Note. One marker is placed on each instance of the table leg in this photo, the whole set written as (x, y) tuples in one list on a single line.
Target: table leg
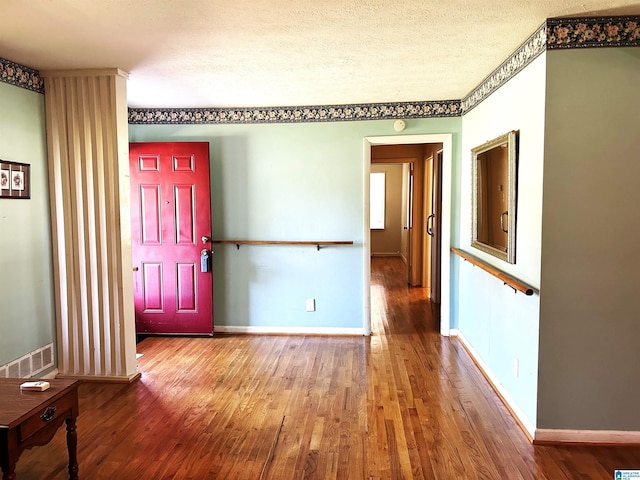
[(72, 446), (9, 472)]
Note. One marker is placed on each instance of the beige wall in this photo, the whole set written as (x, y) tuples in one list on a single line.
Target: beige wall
[(389, 240), (589, 376)]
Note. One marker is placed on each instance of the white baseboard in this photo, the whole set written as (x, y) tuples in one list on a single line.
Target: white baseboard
[(600, 437), (52, 374), (512, 406), (541, 436), (289, 330)]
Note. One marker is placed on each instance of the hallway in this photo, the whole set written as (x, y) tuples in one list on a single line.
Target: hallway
[(441, 418), (437, 415), (405, 403)]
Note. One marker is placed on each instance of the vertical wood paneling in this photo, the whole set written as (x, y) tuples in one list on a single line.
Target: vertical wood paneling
[(59, 193), (94, 180), (93, 302), (101, 288), (105, 132)]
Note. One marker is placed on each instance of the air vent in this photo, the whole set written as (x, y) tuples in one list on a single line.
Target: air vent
[(47, 356), (36, 361), (30, 364), (14, 370), (25, 366)]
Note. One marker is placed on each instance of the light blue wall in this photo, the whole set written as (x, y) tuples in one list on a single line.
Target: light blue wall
[(500, 325), (26, 283), (289, 182)]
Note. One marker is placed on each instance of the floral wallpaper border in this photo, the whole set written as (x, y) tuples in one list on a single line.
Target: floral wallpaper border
[(623, 31), (559, 33), (20, 76), (372, 111), (555, 33), (523, 56)]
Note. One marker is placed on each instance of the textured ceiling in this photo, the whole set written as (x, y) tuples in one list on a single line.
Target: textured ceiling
[(242, 53)]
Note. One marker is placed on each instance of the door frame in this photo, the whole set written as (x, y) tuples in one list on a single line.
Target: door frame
[(436, 210), (445, 273)]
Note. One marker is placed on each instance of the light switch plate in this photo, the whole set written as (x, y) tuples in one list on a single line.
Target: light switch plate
[(311, 305)]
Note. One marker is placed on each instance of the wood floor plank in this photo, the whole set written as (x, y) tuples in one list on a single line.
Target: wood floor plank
[(405, 403)]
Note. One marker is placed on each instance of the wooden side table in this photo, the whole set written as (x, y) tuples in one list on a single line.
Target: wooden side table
[(28, 419)]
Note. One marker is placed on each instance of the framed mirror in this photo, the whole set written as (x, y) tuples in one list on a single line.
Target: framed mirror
[(493, 209)]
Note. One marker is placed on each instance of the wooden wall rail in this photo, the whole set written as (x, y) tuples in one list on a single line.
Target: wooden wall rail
[(318, 244), (507, 279)]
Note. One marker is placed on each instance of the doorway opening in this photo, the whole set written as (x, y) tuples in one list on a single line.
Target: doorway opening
[(411, 198), (425, 161)]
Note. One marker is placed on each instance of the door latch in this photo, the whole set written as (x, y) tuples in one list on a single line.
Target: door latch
[(205, 261)]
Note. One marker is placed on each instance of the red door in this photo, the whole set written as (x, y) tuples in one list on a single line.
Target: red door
[(171, 226)]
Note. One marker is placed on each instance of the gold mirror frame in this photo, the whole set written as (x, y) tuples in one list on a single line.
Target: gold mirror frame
[(493, 208)]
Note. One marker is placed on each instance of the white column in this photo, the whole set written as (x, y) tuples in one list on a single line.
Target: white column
[(87, 138)]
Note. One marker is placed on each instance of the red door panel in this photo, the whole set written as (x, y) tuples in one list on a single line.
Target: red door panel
[(153, 294), (170, 213), (150, 220)]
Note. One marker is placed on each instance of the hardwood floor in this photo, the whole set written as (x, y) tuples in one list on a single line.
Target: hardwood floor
[(405, 403)]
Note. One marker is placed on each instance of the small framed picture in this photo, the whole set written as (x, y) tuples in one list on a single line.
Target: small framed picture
[(4, 179), (15, 180)]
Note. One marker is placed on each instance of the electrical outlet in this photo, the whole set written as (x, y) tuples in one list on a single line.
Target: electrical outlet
[(311, 304), (516, 367)]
